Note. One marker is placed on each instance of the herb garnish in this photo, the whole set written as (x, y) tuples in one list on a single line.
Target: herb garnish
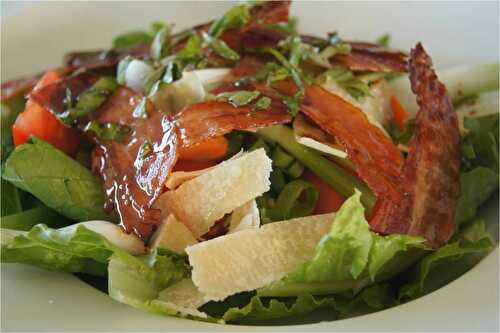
[(160, 46), (107, 131), (238, 98), (384, 40), (89, 101), (263, 103), (346, 79)]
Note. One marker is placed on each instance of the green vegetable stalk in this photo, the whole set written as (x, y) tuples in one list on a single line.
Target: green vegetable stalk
[(340, 180)]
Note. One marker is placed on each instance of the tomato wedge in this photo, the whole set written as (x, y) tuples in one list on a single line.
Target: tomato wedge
[(38, 121), (329, 200), (213, 149)]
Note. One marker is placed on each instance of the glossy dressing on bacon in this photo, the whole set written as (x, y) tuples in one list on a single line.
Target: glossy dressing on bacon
[(135, 170)]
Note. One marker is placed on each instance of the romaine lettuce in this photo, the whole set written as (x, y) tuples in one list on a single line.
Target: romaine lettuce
[(349, 257)]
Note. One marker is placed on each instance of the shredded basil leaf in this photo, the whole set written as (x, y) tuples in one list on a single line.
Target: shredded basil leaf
[(238, 98), (353, 85), (384, 40), (89, 101), (160, 46), (107, 131), (293, 102), (220, 47), (263, 103), (236, 17)]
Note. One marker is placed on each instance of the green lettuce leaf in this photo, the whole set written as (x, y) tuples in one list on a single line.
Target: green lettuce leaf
[(80, 250), (138, 281), (480, 145), (27, 219), (449, 262), (476, 186), (57, 180), (350, 257), (260, 310)]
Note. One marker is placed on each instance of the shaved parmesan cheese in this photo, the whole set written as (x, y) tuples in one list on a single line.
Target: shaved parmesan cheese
[(177, 178), (183, 293), (324, 148), (376, 107), (200, 202), (212, 77), (244, 217), (173, 235), (113, 233), (174, 97), (253, 258)]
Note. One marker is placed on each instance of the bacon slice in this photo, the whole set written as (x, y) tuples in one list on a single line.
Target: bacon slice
[(53, 96), (201, 121), (367, 57), (255, 33), (378, 161), (430, 179), (133, 177), (14, 88), (104, 58)]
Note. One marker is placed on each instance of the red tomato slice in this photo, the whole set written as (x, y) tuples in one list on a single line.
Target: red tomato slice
[(329, 200), (37, 121)]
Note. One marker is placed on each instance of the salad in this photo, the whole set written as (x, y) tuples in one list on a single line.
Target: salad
[(242, 172)]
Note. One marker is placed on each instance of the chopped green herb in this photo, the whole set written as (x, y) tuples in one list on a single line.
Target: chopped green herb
[(467, 99), (384, 40), (140, 110), (107, 131), (271, 73), (191, 52), (289, 27), (220, 47), (145, 150), (346, 79), (293, 102), (173, 72), (122, 69), (153, 78), (293, 70), (238, 98), (332, 50), (236, 17), (89, 101), (263, 103), (160, 46), (131, 38), (156, 26)]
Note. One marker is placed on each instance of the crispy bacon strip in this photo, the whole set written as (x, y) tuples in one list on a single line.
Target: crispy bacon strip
[(104, 58), (201, 121), (255, 33), (377, 160), (53, 96), (367, 57), (135, 170), (431, 176), (14, 88)]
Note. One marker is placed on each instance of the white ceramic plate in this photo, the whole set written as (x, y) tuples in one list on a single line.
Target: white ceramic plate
[(36, 38)]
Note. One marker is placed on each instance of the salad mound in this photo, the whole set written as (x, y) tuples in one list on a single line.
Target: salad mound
[(241, 172)]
